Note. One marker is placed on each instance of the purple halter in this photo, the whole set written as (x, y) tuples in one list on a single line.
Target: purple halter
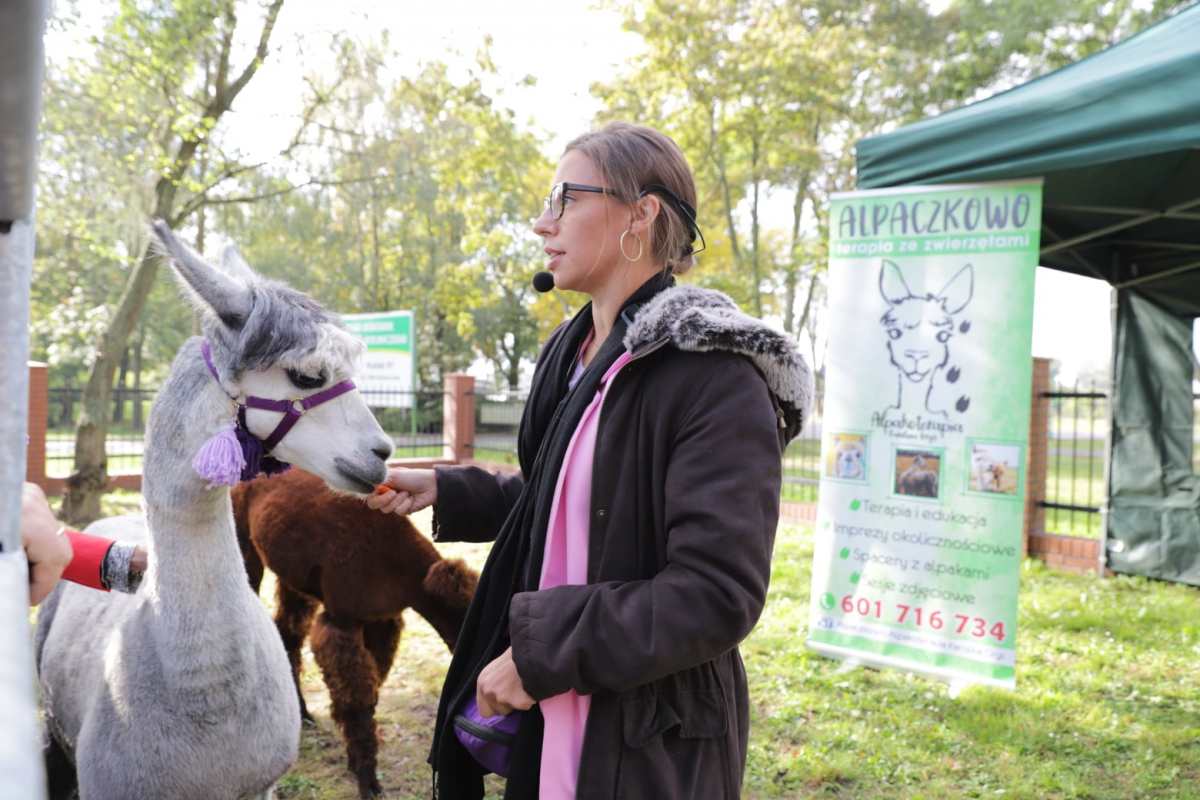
[(256, 453)]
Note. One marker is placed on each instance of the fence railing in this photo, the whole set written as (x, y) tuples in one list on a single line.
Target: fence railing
[(1076, 436), (497, 417), (802, 461), (126, 428), (412, 419), (1077, 432), (498, 414)]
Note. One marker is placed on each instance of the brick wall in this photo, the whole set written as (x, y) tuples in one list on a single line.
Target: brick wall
[(458, 417), (35, 451), (1066, 553), (1035, 456)]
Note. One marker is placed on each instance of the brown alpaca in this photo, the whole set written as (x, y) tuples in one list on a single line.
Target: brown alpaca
[(365, 568)]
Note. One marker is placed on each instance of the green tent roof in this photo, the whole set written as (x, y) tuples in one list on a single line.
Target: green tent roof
[(1116, 138)]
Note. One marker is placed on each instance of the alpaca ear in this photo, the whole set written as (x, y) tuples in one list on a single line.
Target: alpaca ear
[(210, 290), (891, 283), (233, 263), (958, 291)]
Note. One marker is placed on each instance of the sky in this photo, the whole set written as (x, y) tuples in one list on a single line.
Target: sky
[(567, 45)]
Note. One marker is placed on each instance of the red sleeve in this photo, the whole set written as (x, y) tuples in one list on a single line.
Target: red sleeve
[(90, 551)]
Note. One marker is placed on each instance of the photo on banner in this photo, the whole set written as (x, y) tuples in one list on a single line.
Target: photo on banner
[(925, 430)]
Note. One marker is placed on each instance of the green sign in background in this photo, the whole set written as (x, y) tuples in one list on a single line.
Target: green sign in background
[(391, 330), (925, 428)]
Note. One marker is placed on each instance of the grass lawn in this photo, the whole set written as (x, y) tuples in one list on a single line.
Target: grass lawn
[(1105, 708)]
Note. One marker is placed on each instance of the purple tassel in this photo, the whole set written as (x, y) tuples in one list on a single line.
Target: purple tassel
[(252, 454), (220, 461), (255, 460)]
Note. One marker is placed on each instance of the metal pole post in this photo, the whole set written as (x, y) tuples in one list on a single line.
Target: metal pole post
[(22, 23)]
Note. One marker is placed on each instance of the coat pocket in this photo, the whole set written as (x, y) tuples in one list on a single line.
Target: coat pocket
[(675, 734), (698, 713)]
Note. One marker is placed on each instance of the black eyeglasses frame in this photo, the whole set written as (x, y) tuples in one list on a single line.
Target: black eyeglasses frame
[(561, 189)]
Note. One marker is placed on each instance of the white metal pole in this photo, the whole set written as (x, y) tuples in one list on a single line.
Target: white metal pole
[(22, 23)]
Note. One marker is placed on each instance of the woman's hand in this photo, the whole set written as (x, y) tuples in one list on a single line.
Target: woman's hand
[(499, 689), (48, 553), (405, 491)]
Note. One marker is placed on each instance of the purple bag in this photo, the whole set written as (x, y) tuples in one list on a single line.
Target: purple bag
[(488, 739)]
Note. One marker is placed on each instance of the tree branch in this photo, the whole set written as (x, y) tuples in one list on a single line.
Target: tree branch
[(264, 41)]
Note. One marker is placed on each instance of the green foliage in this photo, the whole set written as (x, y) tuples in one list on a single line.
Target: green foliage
[(420, 198), (416, 191)]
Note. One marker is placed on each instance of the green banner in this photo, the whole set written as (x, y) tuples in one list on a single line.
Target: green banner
[(925, 428), (389, 367)]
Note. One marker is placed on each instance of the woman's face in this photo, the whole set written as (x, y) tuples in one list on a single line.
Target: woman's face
[(583, 245)]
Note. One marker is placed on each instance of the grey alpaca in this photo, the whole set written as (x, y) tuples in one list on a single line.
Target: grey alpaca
[(184, 690)]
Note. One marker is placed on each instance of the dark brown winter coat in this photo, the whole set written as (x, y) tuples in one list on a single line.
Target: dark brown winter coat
[(685, 503)]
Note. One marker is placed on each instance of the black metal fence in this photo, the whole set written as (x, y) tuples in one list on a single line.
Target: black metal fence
[(413, 419), (802, 461), (1077, 432), (1076, 436), (497, 416), (126, 428)]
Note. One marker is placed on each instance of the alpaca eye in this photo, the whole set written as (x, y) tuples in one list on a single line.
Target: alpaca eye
[(894, 333), (303, 381), (943, 336)]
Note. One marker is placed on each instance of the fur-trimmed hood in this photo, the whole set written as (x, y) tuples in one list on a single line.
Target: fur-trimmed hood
[(701, 320)]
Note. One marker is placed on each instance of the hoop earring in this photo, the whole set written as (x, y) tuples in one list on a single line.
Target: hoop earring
[(639, 241)]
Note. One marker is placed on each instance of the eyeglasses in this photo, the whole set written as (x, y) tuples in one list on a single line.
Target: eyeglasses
[(557, 201)]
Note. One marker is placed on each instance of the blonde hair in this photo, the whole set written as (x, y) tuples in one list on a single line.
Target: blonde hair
[(630, 157)]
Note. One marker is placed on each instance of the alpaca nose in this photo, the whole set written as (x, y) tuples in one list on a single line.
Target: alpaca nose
[(383, 451), (917, 355)]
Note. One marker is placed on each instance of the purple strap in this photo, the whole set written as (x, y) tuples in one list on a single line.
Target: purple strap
[(294, 409), (291, 409)]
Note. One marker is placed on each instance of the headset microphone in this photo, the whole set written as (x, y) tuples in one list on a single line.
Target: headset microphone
[(543, 281)]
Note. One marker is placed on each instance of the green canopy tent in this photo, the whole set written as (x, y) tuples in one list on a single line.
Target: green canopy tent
[(1116, 138)]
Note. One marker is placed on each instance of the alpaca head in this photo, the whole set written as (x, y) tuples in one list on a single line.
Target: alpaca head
[(920, 328), (271, 341)]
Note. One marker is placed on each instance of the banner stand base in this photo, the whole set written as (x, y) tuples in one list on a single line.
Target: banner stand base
[(956, 680)]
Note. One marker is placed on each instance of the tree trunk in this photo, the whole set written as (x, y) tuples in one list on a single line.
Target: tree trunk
[(757, 267), (82, 489), (137, 420), (122, 390), (793, 268)]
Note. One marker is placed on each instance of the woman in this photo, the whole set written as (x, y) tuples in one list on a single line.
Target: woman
[(633, 551)]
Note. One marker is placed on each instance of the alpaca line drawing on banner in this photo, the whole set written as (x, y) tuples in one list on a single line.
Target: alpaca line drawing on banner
[(919, 331)]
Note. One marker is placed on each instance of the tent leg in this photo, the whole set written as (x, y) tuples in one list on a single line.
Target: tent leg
[(1102, 565)]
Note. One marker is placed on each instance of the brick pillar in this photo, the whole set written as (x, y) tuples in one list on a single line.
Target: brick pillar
[(1035, 456), (39, 416), (458, 417)]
